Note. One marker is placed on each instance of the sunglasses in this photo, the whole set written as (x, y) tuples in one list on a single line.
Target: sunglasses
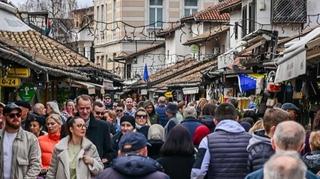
[(119, 110), (142, 116), (13, 115), (100, 113), (80, 126)]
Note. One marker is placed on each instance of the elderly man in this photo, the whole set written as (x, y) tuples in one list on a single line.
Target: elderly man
[(129, 108), (19, 150), (288, 136), (285, 165)]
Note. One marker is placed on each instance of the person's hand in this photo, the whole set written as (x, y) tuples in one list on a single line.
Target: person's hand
[(104, 160), (87, 160)]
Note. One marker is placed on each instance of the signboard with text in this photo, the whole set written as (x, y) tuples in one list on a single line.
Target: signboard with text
[(19, 72), (10, 82), (27, 92)]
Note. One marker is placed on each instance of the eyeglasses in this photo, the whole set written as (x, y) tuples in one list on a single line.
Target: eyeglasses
[(142, 116), (99, 113), (13, 115), (80, 126), (119, 110)]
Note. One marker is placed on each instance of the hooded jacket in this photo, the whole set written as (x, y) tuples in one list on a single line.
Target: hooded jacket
[(133, 166), (259, 149)]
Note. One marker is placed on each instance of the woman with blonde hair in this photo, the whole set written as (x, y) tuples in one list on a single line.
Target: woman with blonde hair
[(312, 159), (142, 121)]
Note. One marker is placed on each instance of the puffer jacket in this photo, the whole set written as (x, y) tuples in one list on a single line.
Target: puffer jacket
[(259, 149), (312, 160), (47, 144)]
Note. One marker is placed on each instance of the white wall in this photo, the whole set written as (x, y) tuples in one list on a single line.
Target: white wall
[(153, 60), (235, 16), (313, 7)]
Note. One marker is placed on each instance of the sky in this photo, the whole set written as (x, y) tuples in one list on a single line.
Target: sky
[(81, 3)]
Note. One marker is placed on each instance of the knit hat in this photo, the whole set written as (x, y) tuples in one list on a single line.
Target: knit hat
[(199, 134), (172, 108), (10, 107), (130, 119), (156, 132)]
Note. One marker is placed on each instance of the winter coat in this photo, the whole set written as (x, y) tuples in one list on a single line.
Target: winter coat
[(59, 167), (47, 144), (312, 160), (140, 167), (154, 149), (25, 156), (259, 149), (161, 111), (192, 125)]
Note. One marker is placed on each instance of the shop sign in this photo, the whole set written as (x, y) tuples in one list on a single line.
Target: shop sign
[(10, 82), (19, 72), (143, 92), (192, 90), (27, 91), (108, 84), (168, 94)]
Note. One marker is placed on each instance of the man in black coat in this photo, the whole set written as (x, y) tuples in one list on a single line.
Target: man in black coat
[(97, 130)]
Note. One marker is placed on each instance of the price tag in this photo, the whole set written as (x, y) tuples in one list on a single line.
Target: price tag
[(10, 82)]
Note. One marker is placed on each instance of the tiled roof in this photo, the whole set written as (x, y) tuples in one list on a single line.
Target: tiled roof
[(43, 49), (192, 76), (140, 52), (206, 36), (227, 5), (212, 14)]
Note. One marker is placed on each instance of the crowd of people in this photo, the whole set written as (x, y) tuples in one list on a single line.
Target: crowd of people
[(102, 138)]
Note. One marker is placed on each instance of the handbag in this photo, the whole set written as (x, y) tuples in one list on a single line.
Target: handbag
[(272, 87)]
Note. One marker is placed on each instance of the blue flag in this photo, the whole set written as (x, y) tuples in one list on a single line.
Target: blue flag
[(246, 83), (145, 73)]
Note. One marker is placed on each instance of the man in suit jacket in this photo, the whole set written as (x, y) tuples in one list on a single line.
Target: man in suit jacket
[(97, 130)]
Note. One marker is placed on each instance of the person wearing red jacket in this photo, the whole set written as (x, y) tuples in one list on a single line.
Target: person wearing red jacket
[(48, 142)]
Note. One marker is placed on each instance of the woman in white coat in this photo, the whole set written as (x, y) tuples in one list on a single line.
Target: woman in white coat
[(75, 156)]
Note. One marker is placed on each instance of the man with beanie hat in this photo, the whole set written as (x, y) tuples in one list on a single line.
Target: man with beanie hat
[(127, 124), (132, 161), (171, 111)]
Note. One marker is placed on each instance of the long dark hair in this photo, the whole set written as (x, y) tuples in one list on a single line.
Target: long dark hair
[(70, 122), (178, 142)]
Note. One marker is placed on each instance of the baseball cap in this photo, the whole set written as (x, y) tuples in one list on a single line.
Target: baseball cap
[(289, 106), (10, 107), (23, 104), (132, 141), (172, 108)]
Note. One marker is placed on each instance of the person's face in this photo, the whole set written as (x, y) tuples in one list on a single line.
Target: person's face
[(13, 119), (119, 112), (107, 117), (48, 109), (107, 100), (141, 118), (42, 110), (129, 103), (84, 107), (52, 125), (149, 109), (35, 128), (98, 112), (292, 114), (78, 128), (70, 106), (24, 112), (126, 127)]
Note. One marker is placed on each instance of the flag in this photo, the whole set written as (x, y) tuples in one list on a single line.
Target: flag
[(145, 73), (246, 83)]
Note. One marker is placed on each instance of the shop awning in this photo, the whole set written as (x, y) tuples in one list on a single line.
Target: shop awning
[(293, 62), (90, 86), (194, 90)]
